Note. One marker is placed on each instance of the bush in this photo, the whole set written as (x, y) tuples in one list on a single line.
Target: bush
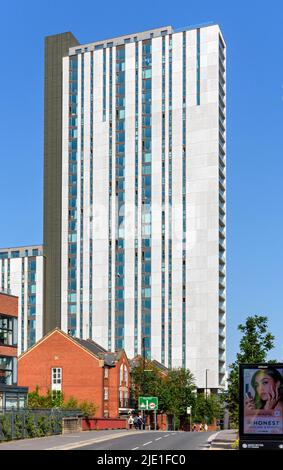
[(19, 426), (88, 409), (6, 427), (31, 426)]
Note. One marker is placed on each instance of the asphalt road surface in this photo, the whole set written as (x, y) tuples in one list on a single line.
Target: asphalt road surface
[(154, 440)]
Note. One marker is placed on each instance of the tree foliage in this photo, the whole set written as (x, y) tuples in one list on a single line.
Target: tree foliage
[(255, 343), (176, 391), (57, 400)]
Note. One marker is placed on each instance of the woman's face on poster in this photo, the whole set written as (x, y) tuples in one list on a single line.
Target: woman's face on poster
[(266, 387)]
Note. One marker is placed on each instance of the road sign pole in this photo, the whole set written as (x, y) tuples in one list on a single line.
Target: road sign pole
[(155, 420)]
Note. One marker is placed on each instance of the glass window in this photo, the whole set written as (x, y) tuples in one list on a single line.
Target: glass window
[(6, 370), (146, 73), (6, 331), (32, 265), (11, 401), (56, 378)]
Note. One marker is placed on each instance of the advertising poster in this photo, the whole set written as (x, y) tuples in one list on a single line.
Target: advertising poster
[(262, 397)]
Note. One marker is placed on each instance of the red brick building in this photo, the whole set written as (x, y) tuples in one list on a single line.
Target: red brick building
[(11, 396), (78, 368)]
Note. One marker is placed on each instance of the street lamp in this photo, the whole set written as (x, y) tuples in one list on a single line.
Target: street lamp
[(206, 370)]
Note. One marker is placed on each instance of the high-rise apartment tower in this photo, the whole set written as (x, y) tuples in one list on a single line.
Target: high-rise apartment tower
[(134, 228)]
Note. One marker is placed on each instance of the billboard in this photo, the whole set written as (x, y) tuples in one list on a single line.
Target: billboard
[(261, 401)]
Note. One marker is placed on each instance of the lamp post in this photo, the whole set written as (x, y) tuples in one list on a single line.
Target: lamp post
[(206, 370)]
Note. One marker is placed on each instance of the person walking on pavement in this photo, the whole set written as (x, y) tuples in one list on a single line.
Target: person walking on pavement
[(140, 422), (130, 422), (136, 422)]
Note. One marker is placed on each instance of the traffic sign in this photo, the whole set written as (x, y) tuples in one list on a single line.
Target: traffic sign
[(148, 403), (189, 410)]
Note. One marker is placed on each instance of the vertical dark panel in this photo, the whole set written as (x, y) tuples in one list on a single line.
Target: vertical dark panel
[(56, 47)]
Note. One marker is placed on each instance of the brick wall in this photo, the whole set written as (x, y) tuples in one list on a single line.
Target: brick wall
[(9, 305), (82, 374), (114, 381)]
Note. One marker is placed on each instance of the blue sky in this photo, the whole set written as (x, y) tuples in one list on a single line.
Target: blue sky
[(253, 33)]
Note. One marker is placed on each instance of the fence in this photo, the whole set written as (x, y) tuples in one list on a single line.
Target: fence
[(24, 423)]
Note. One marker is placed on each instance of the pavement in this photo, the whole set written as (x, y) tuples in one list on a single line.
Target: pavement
[(223, 440)]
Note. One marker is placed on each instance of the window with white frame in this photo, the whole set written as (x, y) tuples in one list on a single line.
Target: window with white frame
[(125, 375), (106, 372), (106, 395), (56, 379)]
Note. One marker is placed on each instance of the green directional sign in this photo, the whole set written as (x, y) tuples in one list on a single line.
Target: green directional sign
[(148, 403)]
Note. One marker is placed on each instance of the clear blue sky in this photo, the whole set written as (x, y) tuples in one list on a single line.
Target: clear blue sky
[(253, 33)]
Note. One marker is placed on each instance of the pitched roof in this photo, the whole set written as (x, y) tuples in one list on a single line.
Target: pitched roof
[(108, 357), (89, 345), (137, 360)]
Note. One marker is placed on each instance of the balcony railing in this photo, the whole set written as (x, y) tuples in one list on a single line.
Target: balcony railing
[(222, 294), (222, 195)]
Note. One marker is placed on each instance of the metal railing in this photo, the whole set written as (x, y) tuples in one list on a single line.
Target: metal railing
[(24, 423)]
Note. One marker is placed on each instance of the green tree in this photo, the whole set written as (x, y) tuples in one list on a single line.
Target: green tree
[(207, 409), (175, 389), (146, 380), (255, 343)]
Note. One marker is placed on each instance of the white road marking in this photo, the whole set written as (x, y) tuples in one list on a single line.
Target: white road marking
[(135, 448), (167, 435), (147, 443), (158, 439)]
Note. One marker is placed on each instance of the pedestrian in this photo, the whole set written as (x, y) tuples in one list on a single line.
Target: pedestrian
[(194, 428), (140, 422), (205, 427), (130, 422), (136, 422), (200, 427)]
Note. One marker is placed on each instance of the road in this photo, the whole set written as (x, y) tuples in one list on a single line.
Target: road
[(155, 440)]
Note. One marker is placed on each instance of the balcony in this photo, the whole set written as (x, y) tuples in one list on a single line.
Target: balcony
[(221, 67), (222, 357), (221, 184), (222, 208), (222, 273), (222, 323), (222, 294), (222, 135), (221, 54), (222, 149), (222, 220), (222, 334), (222, 195), (222, 306), (222, 87), (222, 115)]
